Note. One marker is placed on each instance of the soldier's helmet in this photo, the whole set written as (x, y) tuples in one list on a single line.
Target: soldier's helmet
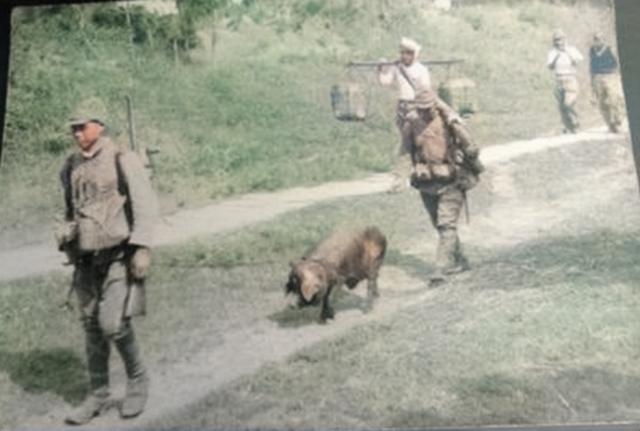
[(92, 109)]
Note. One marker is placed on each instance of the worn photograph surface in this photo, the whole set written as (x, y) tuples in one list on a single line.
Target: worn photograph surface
[(299, 214)]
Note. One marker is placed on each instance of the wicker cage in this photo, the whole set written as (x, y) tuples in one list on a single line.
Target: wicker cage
[(460, 94), (349, 102)]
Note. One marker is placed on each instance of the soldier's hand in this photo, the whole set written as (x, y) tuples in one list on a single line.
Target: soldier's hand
[(65, 233), (140, 263), (383, 68)]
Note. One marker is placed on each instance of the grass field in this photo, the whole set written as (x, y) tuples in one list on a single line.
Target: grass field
[(545, 331), (542, 331), (254, 114)]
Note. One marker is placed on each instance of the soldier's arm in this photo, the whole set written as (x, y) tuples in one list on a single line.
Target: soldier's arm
[(65, 181), (144, 206), (386, 74), (462, 134), (449, 114), (575, 55), (552, 58), (66, 228)]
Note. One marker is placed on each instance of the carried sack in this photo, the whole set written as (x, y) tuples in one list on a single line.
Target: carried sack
[(467, 179)]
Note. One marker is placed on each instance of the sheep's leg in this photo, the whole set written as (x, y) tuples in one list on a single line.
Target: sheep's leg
[(372, 288), (327, 311)]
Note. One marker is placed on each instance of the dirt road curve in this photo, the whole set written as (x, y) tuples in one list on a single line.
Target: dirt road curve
[(238, 212)]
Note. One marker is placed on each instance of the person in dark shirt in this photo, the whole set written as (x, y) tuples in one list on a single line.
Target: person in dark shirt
[(605, 82)]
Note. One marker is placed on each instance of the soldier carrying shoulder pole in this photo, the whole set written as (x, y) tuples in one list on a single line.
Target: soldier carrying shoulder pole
[(110, 211)]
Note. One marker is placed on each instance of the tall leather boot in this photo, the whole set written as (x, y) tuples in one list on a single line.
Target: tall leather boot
[(98, 350), (137, 378)]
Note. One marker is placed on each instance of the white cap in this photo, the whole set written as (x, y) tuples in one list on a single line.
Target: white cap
[(558, 34), (408, 44)]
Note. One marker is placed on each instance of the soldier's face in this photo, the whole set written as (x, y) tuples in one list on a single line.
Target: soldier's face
[(407, 57), (86, 134)]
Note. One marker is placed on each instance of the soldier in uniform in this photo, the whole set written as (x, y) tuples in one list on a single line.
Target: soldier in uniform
[(409, 76), (605, 82), (562, 60), (110, 212), (446, 164)]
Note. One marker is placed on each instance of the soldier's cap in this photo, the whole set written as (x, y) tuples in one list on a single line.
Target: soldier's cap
[(81, 121), (89, 110), (408, 44)]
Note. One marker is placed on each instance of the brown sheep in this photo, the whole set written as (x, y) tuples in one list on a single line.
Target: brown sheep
[(343, 258)]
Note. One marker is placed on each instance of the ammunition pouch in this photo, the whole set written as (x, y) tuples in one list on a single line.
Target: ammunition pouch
[(469, 170), (104, 257), (476, 166), (425, 173), (466, 179)]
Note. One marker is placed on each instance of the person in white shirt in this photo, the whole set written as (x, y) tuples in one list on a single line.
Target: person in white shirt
[(562, 61), (410, 78)]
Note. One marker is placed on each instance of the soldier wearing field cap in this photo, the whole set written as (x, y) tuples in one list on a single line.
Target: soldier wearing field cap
[(562, 60), (110, 210)]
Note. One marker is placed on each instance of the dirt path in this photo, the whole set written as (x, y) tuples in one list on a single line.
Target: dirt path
[(244, 351), (236, 213)]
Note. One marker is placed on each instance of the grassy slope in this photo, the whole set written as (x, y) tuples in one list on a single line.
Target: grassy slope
[(256, 115), (546, 331)]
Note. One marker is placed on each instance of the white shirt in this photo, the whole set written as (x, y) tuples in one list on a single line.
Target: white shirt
[(417, 72), (565, 65)]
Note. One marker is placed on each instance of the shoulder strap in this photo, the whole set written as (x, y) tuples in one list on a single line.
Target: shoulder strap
[(405, 75), (123, 188)]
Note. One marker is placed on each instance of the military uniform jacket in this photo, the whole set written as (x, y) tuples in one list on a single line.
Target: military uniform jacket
[(109, 196)]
